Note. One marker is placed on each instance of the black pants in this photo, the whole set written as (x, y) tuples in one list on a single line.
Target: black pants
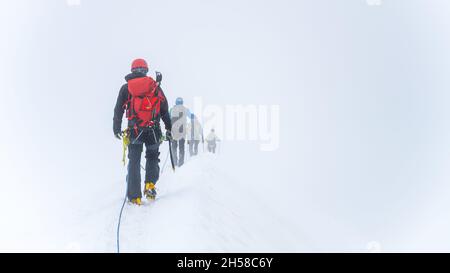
[(149, 138), (193, 147), (178, 159)]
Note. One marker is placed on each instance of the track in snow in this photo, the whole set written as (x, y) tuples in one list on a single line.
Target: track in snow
[(200, 208)]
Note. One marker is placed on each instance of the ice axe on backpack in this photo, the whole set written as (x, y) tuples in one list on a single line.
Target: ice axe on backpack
[(158, 81), (158, 78)]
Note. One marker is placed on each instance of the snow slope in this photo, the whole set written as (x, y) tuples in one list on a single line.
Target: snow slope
[(364, 134), (200, 208)]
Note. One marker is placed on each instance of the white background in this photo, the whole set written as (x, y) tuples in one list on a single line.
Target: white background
[(363, 91)]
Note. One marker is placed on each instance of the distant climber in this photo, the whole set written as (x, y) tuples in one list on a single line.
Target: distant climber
[(212, 140), (194, 135), (145, 104), (179, 116)]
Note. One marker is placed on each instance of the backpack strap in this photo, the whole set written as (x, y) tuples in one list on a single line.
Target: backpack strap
[(128, 107)]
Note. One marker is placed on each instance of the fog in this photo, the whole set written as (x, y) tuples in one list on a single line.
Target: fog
[(362, 92)]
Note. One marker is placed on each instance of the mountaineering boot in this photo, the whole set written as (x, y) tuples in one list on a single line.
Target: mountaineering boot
[(136, 201), (150, 192)]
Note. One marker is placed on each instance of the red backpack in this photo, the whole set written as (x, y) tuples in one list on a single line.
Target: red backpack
[(144, 101)]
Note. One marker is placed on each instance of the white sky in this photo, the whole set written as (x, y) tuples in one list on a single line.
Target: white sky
[(363, 92)]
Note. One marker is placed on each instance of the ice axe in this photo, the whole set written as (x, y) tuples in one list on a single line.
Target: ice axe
[(158, 81), (171, 155), (158, 78)]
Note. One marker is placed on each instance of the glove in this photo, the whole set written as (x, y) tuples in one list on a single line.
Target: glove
[(168, 135), (118, 135)]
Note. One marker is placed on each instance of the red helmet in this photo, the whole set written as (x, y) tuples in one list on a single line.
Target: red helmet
[(139, 63)]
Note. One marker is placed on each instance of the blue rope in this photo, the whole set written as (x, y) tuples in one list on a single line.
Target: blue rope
[(120, 219), (118, 225), (123, 205)]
